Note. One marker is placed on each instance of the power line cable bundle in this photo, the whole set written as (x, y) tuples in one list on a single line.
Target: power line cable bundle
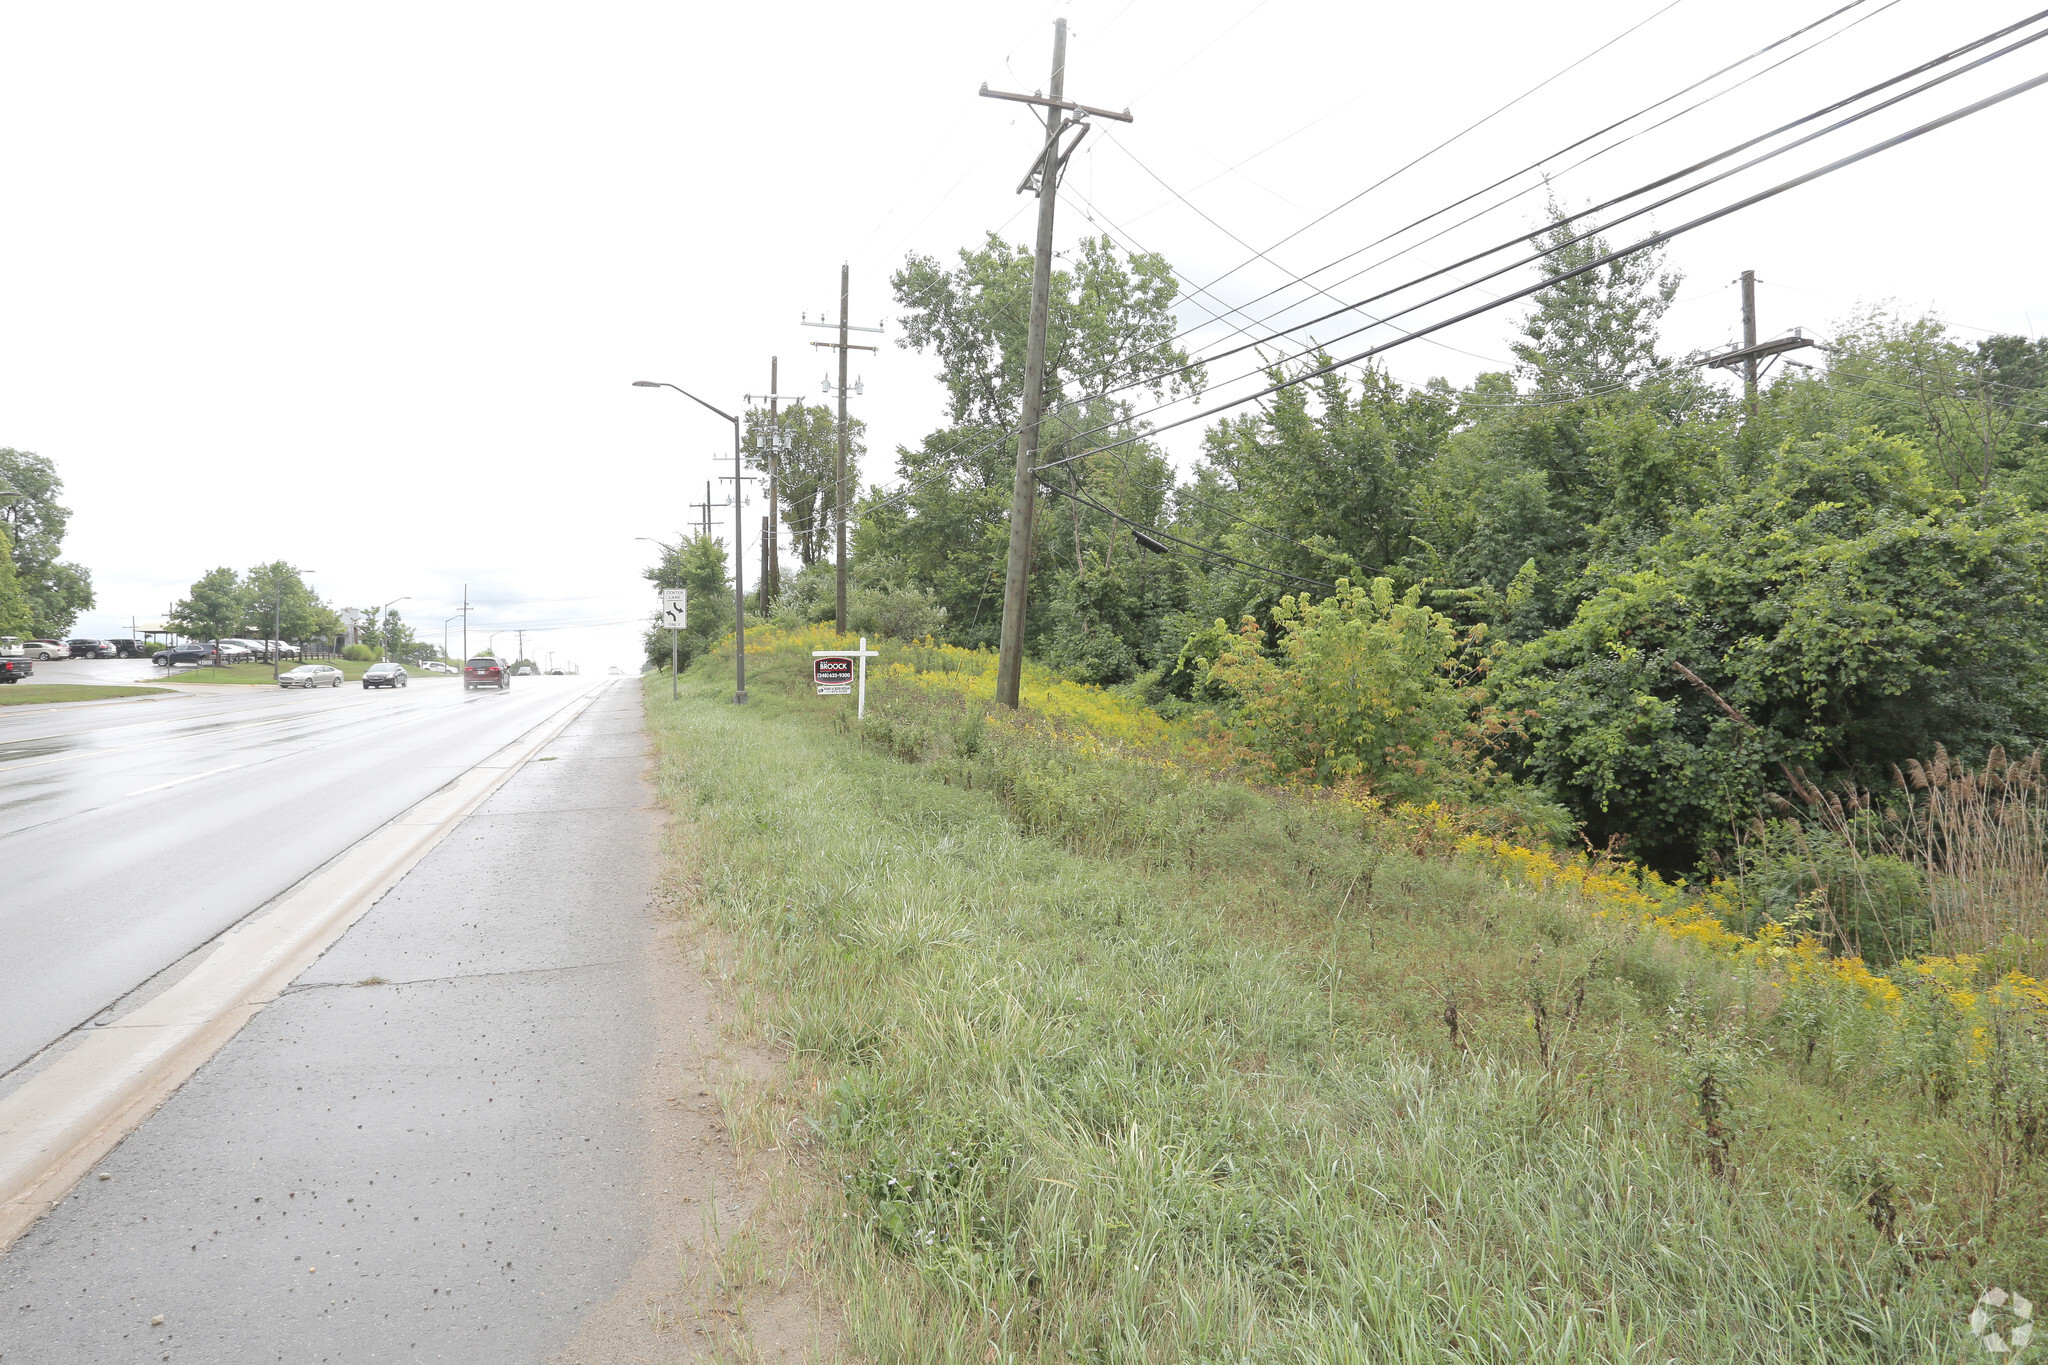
[(1607, 258)]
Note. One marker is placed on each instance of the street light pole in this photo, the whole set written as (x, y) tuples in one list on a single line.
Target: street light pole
[(739, 559), (384, 631), (444, 635)]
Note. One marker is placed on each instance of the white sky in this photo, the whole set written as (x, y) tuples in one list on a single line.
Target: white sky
[(364, 287)]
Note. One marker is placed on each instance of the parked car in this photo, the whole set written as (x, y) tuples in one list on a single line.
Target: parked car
[(45, 650), (432, 666), (485, 672), (381, 675), (13, 669), (130, 649), (196, 653), (93, 649), (310, 675), (284, 649), (232, 652)]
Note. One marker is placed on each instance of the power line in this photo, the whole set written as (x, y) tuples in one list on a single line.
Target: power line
[(1821, 112), (1607, 258), (1419, 333)]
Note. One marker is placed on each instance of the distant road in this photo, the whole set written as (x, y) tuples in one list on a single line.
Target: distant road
[(132, 833)]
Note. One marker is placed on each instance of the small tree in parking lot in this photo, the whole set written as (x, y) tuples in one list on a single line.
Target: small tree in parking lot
[(280, 605), (213, 607)]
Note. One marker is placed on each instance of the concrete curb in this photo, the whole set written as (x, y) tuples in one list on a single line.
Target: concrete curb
[(55, 1127)]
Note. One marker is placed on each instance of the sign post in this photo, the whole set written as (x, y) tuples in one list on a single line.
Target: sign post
[(675, 614), (833, 671)]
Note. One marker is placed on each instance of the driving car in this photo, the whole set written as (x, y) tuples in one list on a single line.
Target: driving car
[(433, 667), (310, 675), (93, 649), (485, 672), (382, 675)]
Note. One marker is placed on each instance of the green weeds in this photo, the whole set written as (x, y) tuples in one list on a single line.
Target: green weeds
[(1099, 1060)]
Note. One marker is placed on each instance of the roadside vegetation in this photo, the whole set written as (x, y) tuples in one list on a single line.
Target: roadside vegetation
[(1553, 868), (1110, 1047), (33, 694)]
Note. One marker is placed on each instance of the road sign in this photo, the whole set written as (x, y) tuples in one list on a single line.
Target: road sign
[(675, 608), (833, 673)]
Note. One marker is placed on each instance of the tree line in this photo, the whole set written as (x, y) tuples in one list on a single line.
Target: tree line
[(1589, 578)]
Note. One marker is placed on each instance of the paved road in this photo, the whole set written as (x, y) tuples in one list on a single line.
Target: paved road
[(133, 832), (433, 1146)]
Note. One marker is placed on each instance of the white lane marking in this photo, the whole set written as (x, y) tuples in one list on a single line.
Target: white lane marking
[(180, 781), (285, 719)]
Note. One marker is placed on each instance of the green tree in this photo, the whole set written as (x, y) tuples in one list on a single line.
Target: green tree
[(56, 590), (1855, 615), (280, 605), (1366, 683), (1110, 328), (1976, 410), (1322, 479), (1595, 331), (17, 616), (697, 563), (214, 606), (1110, 324), (808, 457)]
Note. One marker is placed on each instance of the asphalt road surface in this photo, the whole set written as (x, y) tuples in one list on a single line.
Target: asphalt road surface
[(134, 832), (432, 1146)]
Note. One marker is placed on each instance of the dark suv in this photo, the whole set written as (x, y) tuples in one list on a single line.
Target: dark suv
[(94, 649), (486, 672), (184, 654), (129, 649)]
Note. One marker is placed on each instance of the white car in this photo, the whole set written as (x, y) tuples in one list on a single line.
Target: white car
[(45, 650), (310, 675)]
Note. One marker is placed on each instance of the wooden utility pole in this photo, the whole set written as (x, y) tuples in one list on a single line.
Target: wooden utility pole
[(706, 505), (1749, 342), (770, 570), (839, 495), (1060, 117), (1751, 351)]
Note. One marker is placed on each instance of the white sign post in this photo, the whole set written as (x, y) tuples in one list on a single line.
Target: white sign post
[(675, 615), (830, 667)]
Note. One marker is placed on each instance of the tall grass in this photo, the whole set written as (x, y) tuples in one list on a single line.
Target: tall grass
[(1111, 1063), (1972, 843)]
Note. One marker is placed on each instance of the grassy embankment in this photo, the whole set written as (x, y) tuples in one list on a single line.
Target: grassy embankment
[(1114, 1058), (31, 694), (259, 674)]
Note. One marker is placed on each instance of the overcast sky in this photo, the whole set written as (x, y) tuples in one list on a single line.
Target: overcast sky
[(364, 287)]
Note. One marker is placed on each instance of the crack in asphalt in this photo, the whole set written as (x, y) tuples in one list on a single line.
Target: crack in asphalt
[(299, 986)]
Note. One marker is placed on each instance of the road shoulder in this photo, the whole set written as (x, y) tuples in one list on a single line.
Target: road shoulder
[(487, 1124)]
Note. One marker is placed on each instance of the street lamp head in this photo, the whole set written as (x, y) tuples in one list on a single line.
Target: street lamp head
[(650, 383)]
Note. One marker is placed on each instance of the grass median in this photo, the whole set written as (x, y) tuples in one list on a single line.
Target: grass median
[(1227, 1086), (31, 694), (259, 675)]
